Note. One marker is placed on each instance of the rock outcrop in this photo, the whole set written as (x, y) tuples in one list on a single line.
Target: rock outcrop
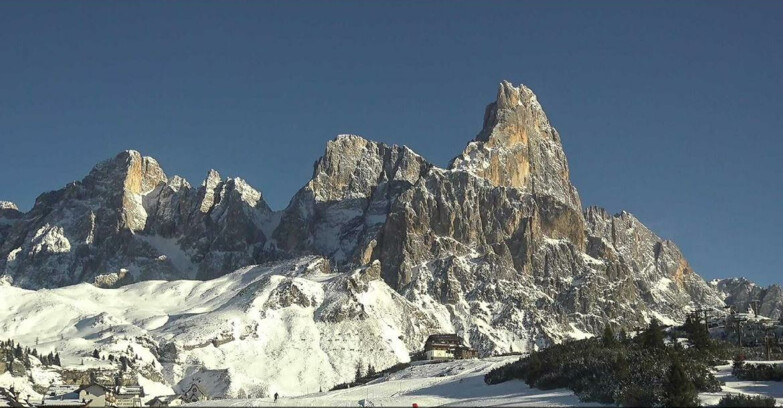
[(340, 213), (518, 148), (126, 218), (743, 295)]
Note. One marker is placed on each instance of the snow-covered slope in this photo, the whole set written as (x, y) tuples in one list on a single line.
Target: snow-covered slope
[(458, 383), (291, 326), (732, 385)]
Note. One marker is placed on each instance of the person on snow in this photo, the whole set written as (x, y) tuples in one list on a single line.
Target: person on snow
[(276, 397)]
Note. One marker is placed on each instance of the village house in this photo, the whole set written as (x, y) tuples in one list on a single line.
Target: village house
[(447, 347), (61, 396), (93, 395), (165, 401), (128, 396), (194, 393)]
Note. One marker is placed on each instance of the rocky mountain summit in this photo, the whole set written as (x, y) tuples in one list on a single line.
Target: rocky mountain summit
[(496, 247), (741, 294)]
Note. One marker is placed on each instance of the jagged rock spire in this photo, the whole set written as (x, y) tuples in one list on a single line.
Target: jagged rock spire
[(209, 185), (341, 210), (126, 177), (517, 147)]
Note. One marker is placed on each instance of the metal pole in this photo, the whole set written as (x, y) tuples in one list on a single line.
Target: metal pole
[(706, 323), (766, 343)]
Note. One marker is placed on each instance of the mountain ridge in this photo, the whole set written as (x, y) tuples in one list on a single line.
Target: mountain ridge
[(495, 247)]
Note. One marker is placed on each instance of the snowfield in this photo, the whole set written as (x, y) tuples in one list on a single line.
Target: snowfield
[(733, 385), (456, 383), (294, 326)]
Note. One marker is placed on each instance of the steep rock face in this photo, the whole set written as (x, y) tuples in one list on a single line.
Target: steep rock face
[(743, 295), (517, 147), (490, 257), (218, 227), (341, 211), (86, 228), (504, 226), (662, 274), (127, 221), (9, 214)]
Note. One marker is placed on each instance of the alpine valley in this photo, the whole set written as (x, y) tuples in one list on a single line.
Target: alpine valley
[(377, 251)]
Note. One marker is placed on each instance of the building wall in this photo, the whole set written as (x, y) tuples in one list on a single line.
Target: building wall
[(127, 402), (437, 353)]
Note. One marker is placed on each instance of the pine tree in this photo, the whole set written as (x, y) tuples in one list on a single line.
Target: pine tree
[(679, 390), (608, 340), (623, 336), (653, 336), (534, 368), (700, 337), (738, 364), (358, 372), (57, 360), (96, 355), (688, 326)]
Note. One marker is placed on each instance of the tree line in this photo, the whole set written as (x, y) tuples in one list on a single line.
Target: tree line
[(13, 351), (653, 368)]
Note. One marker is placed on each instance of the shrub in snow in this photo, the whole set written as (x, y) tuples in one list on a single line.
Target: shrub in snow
[(742, 400), (758, 372), (638, 372)]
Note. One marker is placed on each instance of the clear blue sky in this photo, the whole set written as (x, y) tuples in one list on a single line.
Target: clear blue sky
[(670, 110)]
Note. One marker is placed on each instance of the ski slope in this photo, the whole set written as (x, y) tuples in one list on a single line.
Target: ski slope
[(456, 383), (292, 326)]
